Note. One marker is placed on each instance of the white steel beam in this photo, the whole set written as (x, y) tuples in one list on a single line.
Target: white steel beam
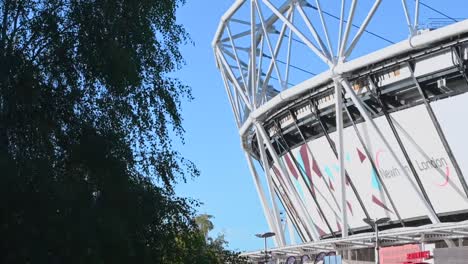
[(238, 103), (258, 74), (347, 30), (266, 168), (288, 56), (270, 47), (253, 53), (407, 16), (340, 30), (236, 36), (416, 16), (284, 198), (314, 32), (340, 150), (325, 30), (277, 49), (235, 110), (261, 195), (363, 27), (236, 56), (231, 55), (233, 78), (249, 79), (292, 237), (227, 15), (239, 21), (289, 185), (298, 33)]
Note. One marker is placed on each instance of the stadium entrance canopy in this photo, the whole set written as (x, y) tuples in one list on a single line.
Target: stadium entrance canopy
[(393, 237)]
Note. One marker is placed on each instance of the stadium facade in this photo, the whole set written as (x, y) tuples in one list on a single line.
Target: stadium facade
[(374, 135)]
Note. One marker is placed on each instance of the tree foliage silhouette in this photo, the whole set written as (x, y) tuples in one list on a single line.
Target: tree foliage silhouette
[(87, 165)]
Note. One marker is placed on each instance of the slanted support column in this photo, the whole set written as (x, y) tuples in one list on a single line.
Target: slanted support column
[(303, 176), (357, 102), (374, 167), (440, 133), (262, 198), (289, 185), (292, 214), (340, 156), (316, 112), (312, 155), (292, 238), (276, 217), (376, 93), (253, 54)]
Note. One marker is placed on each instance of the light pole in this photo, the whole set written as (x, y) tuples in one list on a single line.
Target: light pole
[(265, 236), (374, 223)]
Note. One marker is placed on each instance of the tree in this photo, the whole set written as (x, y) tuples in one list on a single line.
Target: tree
[(215, 249), (86, 112), (204, 224)]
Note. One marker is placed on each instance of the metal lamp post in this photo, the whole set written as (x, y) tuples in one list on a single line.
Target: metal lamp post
[(265, 236), (374, 223)]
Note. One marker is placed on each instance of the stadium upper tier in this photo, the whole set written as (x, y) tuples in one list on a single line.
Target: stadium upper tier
[(350, 134)]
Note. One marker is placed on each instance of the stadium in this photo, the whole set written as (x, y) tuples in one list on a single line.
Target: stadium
[(355, 143)]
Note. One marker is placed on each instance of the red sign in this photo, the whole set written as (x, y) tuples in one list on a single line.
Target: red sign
[(397, 254), (419, 255)]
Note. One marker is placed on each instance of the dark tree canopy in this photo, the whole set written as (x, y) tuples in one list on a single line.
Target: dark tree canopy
[(87, 166), (97, 64)]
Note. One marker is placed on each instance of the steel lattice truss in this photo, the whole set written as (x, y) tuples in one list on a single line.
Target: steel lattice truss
[(258, 48)]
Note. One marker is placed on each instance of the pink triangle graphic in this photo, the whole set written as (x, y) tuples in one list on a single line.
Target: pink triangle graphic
[(291, 166), (380, 203), (361, 155), (277, 172), (305, 159), (320, 231), (331, 185), (316, 168)]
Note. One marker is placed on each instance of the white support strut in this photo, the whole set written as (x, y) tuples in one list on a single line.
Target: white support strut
[(267, 39), (277, 48), (325, 30), (233, 79), (312, 29), (253, 53), (342, 46), (271, 190), (289, 185), (362, 28), (322, 56), (262, 198), (340, 150)]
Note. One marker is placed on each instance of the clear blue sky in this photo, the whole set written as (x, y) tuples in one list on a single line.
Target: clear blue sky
[(212, 141)]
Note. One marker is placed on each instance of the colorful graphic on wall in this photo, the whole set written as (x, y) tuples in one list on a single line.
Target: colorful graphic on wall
[(315, 172)]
